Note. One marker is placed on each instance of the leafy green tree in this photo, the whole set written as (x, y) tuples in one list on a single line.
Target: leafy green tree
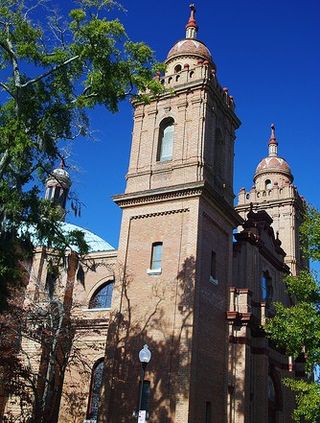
[(52, 70), (296, 329)]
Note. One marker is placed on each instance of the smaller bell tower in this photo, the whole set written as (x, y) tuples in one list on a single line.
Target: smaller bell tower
[(57, 187), (274, 192)]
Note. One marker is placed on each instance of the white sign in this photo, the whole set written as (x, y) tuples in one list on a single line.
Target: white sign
[(142, 416)]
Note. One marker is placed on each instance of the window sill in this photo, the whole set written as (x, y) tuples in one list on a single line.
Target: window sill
[(96, 309), (154, 272), (213, 280)]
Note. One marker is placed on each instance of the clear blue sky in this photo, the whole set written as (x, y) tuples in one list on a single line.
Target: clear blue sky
[(267, 55)]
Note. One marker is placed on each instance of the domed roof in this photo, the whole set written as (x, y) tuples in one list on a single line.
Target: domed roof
[(190, 47), (273, 164), (95, 243), (60, 176)]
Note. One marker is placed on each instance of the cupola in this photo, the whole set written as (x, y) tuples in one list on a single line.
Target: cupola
[(58, 185), (190, 47), (272, 170)]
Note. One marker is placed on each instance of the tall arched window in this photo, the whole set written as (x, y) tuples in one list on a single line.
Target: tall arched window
[(102, 298), (266, 288), (95, 387), (165, 145)]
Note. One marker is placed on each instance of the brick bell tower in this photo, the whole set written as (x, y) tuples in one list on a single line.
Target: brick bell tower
[(175, 250), (274, 192)]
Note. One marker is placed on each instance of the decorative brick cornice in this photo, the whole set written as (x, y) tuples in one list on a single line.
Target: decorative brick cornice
[(189, 190), (157, 195), (164, 213)]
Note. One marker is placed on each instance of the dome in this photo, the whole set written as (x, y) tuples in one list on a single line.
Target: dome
[(190, 47), (95, 243), (273, 164), (60, 175)]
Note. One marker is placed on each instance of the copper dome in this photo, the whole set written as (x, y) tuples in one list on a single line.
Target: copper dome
[(190, 47)]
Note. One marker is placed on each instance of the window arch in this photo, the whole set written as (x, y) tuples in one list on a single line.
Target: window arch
[(95, 387), (165, 145), (266, 288), (51, 279), (268, 184), (102, 297)]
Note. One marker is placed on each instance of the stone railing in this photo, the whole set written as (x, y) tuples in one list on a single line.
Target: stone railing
[(199, 73), (275, 193)]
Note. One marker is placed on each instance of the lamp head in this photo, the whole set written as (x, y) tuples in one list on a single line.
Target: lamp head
[(145, 354)]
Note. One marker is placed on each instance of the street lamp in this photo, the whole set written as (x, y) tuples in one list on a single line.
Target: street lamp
[(144, 357)]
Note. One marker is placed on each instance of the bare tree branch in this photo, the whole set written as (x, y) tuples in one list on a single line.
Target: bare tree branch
[(34, 6)]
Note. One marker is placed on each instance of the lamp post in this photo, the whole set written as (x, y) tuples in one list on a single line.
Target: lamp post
[(144, 357)]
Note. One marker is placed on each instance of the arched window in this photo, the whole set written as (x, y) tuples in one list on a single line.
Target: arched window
[(268, 184), (95, 387), (102, 298), (266, 288), (177, 68), (51, 279), (165, 148)]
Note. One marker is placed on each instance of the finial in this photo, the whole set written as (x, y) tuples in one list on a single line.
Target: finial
[(273, 143), (273, 139), (62, 163), (192, 27)]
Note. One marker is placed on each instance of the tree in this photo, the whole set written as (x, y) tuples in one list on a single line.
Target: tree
[(44, 339), (296, 329), (51, 73)]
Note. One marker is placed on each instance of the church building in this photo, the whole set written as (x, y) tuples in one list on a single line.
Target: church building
[(194, 277)]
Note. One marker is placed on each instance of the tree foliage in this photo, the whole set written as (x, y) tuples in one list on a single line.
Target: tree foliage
[(52, 70), (296, 329)]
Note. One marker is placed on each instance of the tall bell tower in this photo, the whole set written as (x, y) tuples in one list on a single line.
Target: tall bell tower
[(175, 249), (186, 135)]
